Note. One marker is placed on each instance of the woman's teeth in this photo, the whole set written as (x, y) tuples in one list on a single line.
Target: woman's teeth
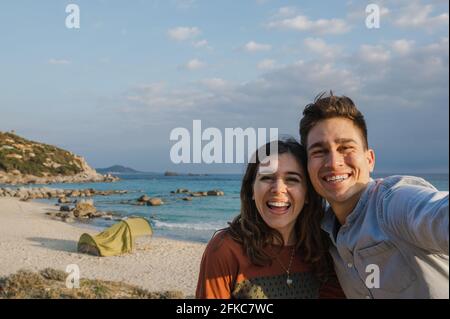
[(279, 204)]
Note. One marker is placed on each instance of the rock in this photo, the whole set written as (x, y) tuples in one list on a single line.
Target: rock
[(63, 200), (144, 198), (215, 192), (187, 198), (84, 209), (181, 191), (65, 208), (199, 194), (155, 202)]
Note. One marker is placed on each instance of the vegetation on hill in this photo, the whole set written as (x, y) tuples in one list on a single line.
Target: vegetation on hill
[(28, 157)]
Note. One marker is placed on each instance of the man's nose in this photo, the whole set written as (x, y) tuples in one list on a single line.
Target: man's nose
[(334, 160)]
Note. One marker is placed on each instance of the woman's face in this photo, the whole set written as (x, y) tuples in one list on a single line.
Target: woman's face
[(280, 196)]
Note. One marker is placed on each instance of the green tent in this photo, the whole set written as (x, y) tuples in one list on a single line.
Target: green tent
[(115, 240)]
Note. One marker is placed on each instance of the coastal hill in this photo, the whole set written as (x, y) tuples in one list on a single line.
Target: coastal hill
[(117, 169), (23, 161)]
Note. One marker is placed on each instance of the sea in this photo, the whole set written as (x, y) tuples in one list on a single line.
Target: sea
[(195, 220)]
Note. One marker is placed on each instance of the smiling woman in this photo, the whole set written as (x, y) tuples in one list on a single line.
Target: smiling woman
[(274, 248)]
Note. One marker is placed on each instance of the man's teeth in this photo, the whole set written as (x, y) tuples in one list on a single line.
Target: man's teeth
[(337, 178), (279, 204)]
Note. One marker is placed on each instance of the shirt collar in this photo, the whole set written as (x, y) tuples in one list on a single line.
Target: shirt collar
[(329, 220)]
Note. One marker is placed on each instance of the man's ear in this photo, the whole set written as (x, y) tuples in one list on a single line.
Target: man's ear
[(370, 155)]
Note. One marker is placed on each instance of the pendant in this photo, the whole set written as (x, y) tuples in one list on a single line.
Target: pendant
[(289, 281)]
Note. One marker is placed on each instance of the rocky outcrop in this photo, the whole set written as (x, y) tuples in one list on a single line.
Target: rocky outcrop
[(27, 193), (26, 162)]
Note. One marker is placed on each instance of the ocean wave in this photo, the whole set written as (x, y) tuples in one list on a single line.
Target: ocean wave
[(195, 226)]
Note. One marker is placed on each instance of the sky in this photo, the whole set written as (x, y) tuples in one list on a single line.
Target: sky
[(113, 89)]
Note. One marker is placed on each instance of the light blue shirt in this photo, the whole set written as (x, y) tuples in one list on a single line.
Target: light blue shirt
[(395, 243)]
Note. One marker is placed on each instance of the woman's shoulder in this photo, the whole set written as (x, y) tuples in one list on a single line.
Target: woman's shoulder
[(223, 243)]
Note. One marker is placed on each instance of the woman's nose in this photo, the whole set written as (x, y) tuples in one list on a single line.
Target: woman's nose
[(278, 186)]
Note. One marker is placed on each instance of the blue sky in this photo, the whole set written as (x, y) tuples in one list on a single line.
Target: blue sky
[(113, 90)]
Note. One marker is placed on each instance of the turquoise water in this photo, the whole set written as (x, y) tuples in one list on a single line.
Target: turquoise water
[(194, 220)]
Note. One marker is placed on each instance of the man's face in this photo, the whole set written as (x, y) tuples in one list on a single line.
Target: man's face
[(338, 162)]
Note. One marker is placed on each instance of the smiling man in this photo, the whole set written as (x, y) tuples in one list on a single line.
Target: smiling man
[(389, 237)]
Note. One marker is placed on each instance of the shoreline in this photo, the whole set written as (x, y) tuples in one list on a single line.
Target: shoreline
[(29, 239)]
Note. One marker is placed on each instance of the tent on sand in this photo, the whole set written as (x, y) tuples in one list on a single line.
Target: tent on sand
[(115, 240)]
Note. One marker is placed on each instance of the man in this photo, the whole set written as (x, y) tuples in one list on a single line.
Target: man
[(389, 237)]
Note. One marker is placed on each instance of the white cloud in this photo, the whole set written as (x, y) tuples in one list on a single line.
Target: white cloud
[(215, 83), (183, 33), (285, 12), (402, 46), (318, 46), (202, 44), (255, 47), (58, 61), (417, 15), (194, 64), (267, 64), (303, 23), (374, 54)]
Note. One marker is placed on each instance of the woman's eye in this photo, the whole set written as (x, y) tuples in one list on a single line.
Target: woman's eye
[(293, 180)]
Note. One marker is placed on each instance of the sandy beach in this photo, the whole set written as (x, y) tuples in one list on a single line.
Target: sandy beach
[(29, 239)]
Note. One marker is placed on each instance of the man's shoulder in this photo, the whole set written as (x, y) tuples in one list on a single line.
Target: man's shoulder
[(396, 182)]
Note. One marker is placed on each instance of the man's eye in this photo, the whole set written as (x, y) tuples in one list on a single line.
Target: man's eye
[(317, 153)]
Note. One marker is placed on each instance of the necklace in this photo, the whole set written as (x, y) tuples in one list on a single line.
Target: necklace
[(288, 280)]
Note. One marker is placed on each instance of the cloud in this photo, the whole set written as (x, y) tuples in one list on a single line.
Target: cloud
[(318, 46), (194, 64), (374, 54), (202, 44), (417, 15), (215, 84), (402, 46), (285, 12), (58, 61), (303, 23), (255, 47), (266, 64), (183, 33)]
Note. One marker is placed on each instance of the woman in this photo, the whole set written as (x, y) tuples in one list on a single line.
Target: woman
[(275, 247)]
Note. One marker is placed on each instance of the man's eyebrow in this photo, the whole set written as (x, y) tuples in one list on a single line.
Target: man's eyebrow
[(337, 141), (345, 140), (317, 144)]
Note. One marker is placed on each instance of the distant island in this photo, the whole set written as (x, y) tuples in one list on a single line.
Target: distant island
[(117, 169), (169, 173)]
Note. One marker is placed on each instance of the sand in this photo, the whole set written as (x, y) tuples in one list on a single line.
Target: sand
[(29, 239)]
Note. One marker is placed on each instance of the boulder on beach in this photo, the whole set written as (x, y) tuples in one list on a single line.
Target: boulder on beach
[(84, 209)]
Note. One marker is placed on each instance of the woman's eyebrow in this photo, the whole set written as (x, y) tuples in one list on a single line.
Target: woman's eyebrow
[(295, 173)]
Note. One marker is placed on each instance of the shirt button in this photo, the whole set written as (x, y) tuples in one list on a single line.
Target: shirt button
[(349, 265)]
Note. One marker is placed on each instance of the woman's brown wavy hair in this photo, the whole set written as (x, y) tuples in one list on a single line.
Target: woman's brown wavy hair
[(250, 230)]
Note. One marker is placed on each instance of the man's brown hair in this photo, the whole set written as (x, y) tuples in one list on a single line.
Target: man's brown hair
[(327, 106)]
